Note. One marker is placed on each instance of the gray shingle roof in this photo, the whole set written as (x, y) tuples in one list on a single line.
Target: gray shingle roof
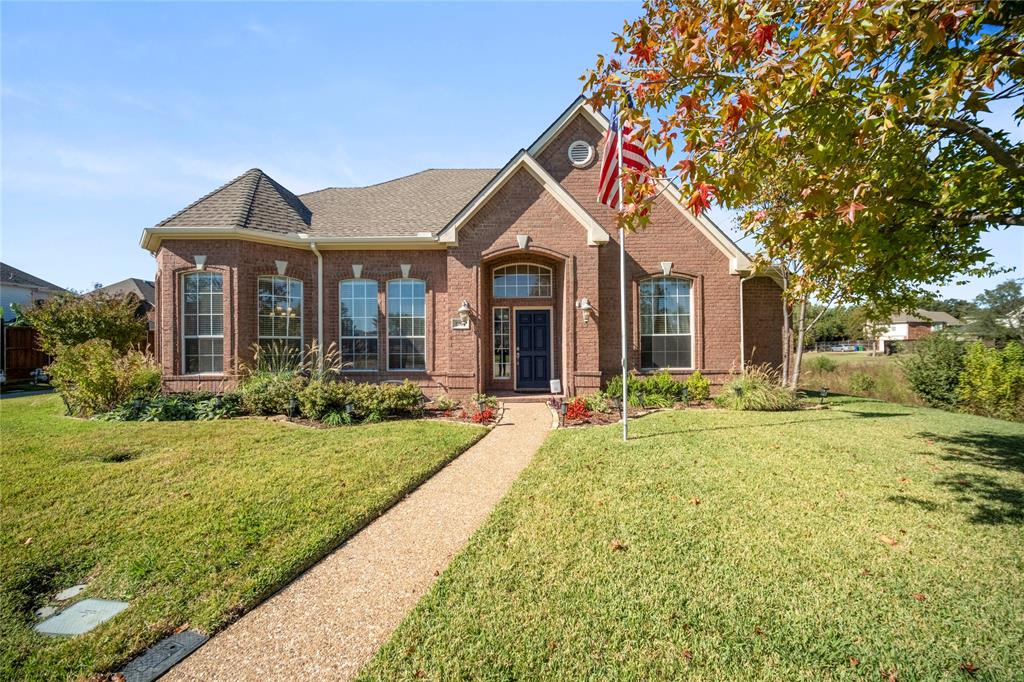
[(421, 202), (253, 200), (12, 275), (142, 288)]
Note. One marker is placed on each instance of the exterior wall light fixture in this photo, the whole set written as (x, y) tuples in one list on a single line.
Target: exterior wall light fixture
[(585, 308)]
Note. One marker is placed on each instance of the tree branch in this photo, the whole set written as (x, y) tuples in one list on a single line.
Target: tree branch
[(976, 134)]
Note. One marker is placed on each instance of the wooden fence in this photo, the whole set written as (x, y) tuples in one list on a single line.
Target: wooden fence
[(21, 352), (19, 349)]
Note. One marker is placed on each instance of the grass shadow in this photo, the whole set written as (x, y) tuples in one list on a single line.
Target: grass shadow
[(994, 450), (994, 502), (851, 416)]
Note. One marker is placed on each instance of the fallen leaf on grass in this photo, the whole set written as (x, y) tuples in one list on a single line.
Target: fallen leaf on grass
[(688, 655), (919, 597), (28, 541), (888, 675), (695, 501), (865, 572), (969, 668), (619, 546), (854, 661), (758, 631), (888, 540)]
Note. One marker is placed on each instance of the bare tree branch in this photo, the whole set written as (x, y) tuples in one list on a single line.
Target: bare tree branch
[(978, 135)]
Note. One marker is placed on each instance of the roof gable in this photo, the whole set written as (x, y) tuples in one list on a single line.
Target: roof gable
[(141, 288), (738, 260), (524, 161)]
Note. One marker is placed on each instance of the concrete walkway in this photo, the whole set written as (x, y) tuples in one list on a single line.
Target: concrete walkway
[(329, 622)]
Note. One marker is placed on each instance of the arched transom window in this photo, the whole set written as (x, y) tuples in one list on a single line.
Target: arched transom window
[(666, 333), (522, 280)]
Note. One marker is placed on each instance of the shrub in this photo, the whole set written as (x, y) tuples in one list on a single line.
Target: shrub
[(320, 397), (577, 410), (992, 381), (861, 383), (613, 389), (445, 403), (268, 393), (488, 400), (662, 388), (597, 402), (823, 363), (168, 408), (94, 377), (933, 369), (757, 389), (66, 320), (219, 407), (698, 388), (336, 419)]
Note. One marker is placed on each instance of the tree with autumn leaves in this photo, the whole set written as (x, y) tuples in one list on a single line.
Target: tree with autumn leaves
[(849, 133)]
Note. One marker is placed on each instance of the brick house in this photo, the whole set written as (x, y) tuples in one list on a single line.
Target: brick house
[(462, 280)]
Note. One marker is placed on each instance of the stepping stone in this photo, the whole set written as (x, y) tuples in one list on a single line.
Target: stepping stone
[(162, 656), (45, 611), (70, 592), (81, 617)]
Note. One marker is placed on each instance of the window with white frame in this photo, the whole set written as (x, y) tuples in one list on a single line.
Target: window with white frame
[(202, 307), (359, 312), (666, 336), (502, 344), (407, 324), (522, 280), (279, 310)]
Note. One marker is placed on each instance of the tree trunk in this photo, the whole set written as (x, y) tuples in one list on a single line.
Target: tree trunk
[(801, 331), (787, 342)]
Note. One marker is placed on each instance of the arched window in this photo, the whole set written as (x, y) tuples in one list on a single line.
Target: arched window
[(407, 324), (666, 333), (279, 311), (522, 280), (202, 317), (359, 313)]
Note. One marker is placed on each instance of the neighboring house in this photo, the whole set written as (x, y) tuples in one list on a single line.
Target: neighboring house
[(142, 289), (914, 326), (461, 280), (23, 289)]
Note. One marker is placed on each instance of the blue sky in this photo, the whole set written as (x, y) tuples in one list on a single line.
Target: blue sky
[(116, 115)]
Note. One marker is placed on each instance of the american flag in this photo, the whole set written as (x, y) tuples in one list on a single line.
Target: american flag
[(633, 155)]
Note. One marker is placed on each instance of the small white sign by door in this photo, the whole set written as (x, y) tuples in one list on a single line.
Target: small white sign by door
[(556, 386)]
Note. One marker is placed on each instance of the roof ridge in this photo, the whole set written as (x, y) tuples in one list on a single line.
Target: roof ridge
[(400, 177), (247, 210), (208, 195)]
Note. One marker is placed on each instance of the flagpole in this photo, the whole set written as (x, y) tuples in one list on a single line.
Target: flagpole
[(622, 294)]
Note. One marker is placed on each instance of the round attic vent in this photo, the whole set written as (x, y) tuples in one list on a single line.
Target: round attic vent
[(581, 153)]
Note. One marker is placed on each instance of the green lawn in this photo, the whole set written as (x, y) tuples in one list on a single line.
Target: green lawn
[(847, 543), (189, 522)]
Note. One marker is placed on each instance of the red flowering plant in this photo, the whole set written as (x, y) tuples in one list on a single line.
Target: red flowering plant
[(577, 410), (484, 416)]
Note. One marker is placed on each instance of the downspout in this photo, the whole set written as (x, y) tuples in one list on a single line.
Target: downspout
[(319, 305), (743, 342)]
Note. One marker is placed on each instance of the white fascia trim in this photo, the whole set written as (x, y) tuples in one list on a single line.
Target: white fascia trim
[(152, 236), (596, 234), (739, 262), (579, 106)]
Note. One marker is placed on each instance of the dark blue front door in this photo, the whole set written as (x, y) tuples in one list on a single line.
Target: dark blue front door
[(533, 349)]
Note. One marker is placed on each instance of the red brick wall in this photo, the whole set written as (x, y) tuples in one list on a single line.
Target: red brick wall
[(460, 361)]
